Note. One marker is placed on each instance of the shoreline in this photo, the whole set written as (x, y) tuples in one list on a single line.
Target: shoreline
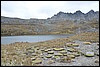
[(19, 50)]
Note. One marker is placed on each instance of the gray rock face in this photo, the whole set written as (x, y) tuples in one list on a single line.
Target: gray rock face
[(78, 16)]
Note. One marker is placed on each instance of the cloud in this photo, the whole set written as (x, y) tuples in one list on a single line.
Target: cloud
[(44, 9)]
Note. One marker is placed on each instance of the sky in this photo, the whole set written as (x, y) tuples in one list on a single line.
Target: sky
[(44, 9)]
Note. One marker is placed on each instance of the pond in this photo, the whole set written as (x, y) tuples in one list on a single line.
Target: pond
[(31, 38)]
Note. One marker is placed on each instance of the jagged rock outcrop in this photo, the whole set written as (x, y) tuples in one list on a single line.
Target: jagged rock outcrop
[(78, 16)]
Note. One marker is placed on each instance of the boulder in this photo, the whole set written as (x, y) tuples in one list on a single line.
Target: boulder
[(89, 54)]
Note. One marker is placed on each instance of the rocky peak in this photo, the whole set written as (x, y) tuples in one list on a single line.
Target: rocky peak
[(78, 12), (78, 15), (60, 13), (91, 12)]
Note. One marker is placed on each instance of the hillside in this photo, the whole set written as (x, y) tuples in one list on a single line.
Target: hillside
[(60, 23)]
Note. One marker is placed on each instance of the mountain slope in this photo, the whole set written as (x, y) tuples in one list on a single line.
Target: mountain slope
[(61, 23)]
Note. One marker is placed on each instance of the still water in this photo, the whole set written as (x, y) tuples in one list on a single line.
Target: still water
[(35, 38)]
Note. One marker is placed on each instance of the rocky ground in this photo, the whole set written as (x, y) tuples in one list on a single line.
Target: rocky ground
[(60, 52), (68, 55)]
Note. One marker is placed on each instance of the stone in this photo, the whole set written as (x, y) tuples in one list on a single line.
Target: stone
[(37, 61), (97, 54), (58, 54), (50, 52), (42, 49), (75, 45), (97, 61), (69, 45), (71, 49), (33, 58), (34, 54), (56, 57), (76, 54), (48, 56), (49, 49), (50, 61), (46, 50), (30, 51), (58, 49), (65, 59), (71, 55), (87, 43), (63, 52), (37, 48), (89, 54)]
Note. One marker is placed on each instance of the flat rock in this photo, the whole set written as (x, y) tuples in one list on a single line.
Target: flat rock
[(50, 61), (89, 54), (87, 43)]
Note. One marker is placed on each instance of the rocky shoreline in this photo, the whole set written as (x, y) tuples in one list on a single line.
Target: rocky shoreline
[(60, 52)]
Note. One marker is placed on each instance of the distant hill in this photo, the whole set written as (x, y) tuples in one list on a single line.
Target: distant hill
[(60, 23), (78, 16)]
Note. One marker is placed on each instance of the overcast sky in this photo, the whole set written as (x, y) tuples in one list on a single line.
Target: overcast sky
[(44, 9)]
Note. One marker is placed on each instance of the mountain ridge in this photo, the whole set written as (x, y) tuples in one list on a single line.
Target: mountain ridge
[(76, 16), (60, 23)]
